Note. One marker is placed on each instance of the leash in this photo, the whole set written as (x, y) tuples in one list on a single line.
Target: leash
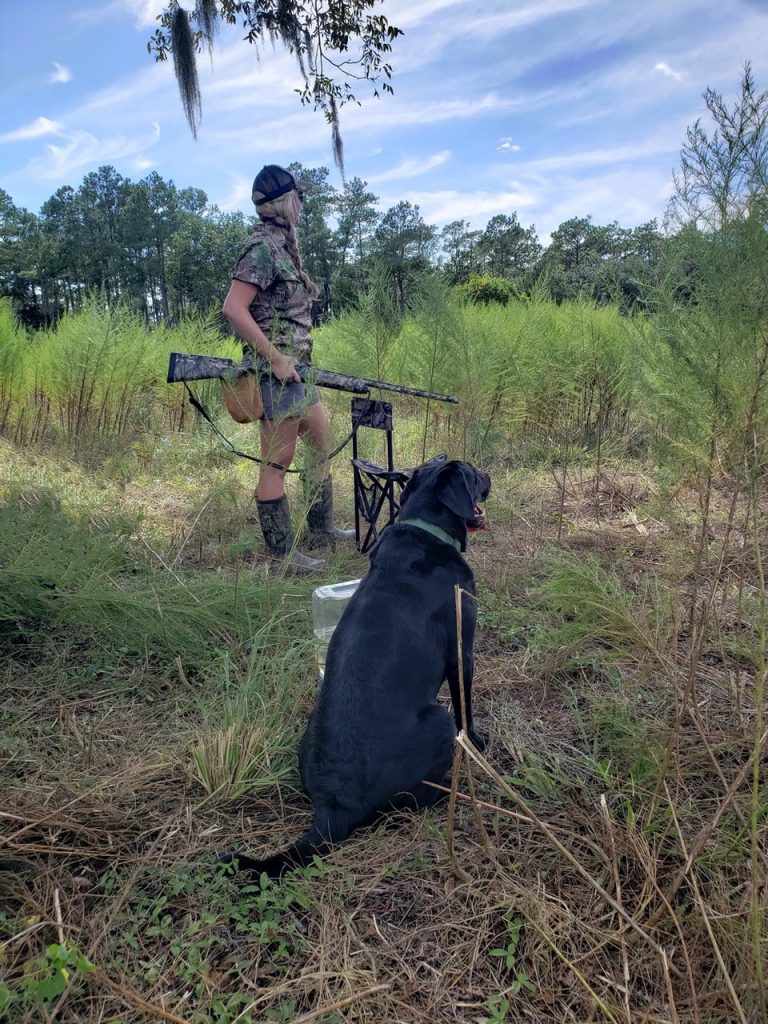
[(198, 406)]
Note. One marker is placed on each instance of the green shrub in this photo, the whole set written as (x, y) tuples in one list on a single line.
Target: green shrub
[(486, 288)]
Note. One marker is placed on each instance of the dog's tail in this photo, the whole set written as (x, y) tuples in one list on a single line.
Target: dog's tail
[(315, 842)]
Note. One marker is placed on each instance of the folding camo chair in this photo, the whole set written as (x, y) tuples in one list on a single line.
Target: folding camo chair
[(375, 486)]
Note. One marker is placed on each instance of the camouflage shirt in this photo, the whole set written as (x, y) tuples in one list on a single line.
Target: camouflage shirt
[(282, 308)]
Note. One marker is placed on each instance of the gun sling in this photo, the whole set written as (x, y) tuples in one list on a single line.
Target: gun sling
[(196, 404), (243, 400)]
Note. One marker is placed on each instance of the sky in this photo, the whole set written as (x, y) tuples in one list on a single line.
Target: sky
[(549, 109)]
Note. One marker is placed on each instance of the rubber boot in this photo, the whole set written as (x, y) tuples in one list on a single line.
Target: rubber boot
[(275, 520), (322, 531)]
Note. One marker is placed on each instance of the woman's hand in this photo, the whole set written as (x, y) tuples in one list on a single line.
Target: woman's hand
[(237, 310), (282, 367)]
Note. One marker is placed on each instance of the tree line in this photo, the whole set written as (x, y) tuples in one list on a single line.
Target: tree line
[(167, 251)]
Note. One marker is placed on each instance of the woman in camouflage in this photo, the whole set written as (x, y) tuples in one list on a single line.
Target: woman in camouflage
[(269, 306)]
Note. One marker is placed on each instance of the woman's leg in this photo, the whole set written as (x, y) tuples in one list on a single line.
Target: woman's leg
[(314, 430), (317, 480), (278, 445)]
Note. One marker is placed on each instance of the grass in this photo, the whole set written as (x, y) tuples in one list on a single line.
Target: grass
[(155, 678)]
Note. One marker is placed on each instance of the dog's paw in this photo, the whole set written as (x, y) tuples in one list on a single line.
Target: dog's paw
[(240, 862), (480, 739)]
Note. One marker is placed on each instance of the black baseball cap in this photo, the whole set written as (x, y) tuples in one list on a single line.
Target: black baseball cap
[(274, 181)]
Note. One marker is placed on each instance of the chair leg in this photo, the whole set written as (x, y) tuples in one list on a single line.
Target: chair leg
[(370, 498)]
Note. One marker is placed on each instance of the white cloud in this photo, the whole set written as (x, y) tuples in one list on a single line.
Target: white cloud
[(302, 129), (515, 16), (60, 74), (144, 11), (443, 206), (154, 83), (668, 72), (34, 130), (82, 149), (483, 23), (627, 154), (406, 14), (508, 146), (239, 196), (586, 118), (394, 111), (142, 163), (412, 167), (629, 197), (284, 137)]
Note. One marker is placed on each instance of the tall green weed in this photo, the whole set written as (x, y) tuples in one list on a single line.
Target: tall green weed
[(531, 369), (14, 367), (84, 580), (535, 380), (97, 374), (706, 376)]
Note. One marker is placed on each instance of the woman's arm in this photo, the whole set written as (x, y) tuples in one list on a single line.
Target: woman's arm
[(237, 310)]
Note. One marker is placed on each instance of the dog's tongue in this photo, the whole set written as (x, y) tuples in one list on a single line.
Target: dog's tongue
[(479, 522)]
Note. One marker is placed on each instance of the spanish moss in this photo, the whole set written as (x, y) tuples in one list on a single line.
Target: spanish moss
[(185, 66), (287, 24), (336, 140), (206, 16)]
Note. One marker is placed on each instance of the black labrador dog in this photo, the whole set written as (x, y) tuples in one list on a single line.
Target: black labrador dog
[(376, 732)]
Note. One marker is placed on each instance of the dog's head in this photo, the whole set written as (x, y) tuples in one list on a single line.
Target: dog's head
[(451, 490)]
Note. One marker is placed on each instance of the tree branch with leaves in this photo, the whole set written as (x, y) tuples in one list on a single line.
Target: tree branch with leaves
[(336, 44)]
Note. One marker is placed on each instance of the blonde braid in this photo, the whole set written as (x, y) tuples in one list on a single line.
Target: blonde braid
[(276, 212), (292, 245)]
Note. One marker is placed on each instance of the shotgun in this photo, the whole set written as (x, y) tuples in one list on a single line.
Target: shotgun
[(183, 367)]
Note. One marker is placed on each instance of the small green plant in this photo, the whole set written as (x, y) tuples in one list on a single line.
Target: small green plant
[(509, 952), (498, 1007), (624, 738), (521, 982), (593, 614), (282, 1013), (509, 624), (180, 926), (86, 578), (539, 777), (45, 978)]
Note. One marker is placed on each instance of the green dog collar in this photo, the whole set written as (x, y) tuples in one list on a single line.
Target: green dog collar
[(422, 524)]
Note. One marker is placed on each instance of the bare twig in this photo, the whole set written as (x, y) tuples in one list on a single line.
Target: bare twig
[(617, 887), (59, 920), (706, 833), (572, 967), (190, 531), (321, 1011), (134, 999), (542, 825), (705, 917)]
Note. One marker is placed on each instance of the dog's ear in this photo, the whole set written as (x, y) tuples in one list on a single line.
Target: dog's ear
[(407, 480), (454, 489)]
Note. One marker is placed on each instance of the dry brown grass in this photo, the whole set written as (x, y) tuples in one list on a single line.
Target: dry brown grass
[(633, 895)]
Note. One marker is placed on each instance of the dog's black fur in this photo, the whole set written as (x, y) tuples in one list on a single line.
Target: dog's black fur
[(376, 732)]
